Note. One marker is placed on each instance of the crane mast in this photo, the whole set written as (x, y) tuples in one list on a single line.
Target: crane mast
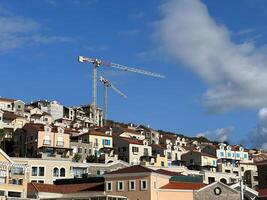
[(97, 63), (107, 84)]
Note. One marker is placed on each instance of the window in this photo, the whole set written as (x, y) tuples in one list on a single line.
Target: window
[(135, 149), (162, 163), (34, 171), (108, 186), (229, 154), (242, 169), (105, 142), (143, 184), (238, 155), (19, 106), (60, 141), (214, 162), (55, 172), (222, 154), (245, 155), (80, 150), (145, 152), (62, 172), (47, 140), (120, 185), (41, 171), (132, 185)]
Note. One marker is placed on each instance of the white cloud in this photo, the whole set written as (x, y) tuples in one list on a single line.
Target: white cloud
[(220, 135), (258, 137), (18, 31), (234, 73)]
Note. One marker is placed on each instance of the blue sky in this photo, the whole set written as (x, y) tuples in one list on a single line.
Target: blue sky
[(213, 54)]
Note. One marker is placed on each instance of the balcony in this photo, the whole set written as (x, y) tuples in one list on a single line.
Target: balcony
[(47, 142), (16, 182), (60, 143)]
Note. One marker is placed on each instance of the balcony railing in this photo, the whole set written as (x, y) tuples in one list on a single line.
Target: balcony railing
[(60, 143), (47, 142), (16, 181)]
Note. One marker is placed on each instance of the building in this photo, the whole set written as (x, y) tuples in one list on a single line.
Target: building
[(48, 170), (200, 161), (262, 177), (12, 105), (216, 191), (54, 108), (133, 151), (13, 178), (97, 142), (135, 182), (39, 140)]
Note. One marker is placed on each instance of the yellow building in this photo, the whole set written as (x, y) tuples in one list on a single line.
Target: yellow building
[(98, 138), (13, 178), (39, 140)]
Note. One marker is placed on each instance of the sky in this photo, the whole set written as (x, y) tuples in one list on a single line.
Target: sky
[(213, 54)]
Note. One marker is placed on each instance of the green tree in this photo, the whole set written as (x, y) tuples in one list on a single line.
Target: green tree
[(77, 157)]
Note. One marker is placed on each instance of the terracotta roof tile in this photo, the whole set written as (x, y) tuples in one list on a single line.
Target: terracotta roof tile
[(131, 140), (132, 169), (168, 173), (183, 186), (7, 100), (63, 189)]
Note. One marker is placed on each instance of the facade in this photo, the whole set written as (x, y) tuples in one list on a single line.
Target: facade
[(54, 108), (38, 140), (135, 182), (133, 151), (200, 161), (12, 105), (48, 170), (216, 191), (96, 142), (13, 178)]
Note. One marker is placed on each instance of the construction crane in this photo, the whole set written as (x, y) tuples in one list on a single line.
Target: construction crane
[(107, 84), (97, 63)]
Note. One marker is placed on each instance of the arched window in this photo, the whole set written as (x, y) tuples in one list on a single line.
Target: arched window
[(55, 172), (62, 172)]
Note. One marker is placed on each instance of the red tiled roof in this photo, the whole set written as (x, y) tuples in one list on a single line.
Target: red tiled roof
[(122, 130), (7, 100), (183, 186), (131, 140), (11, 115), (132, 169), (63, 189), (201, 153), (168, 173), (262, 192)]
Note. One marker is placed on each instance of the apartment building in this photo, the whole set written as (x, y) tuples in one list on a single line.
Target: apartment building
[(12, 105), (39, 140), (200, 161), (135, 182), (48, 170), (84, 114), (54, 108), (262, 174), (96, 142), (38, 116), (133, 151), (151, 135), (229, 157), (13, 178)]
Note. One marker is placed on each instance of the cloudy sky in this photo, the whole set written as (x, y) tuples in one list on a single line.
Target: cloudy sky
[(213, 54)]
